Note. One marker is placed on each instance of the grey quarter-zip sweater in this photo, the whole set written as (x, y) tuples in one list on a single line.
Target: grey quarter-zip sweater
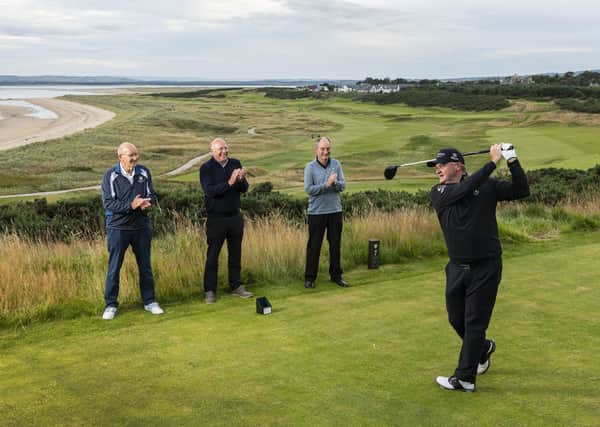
[(323, 199)]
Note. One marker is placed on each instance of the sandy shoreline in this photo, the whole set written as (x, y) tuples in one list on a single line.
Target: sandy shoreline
[(17, 129)]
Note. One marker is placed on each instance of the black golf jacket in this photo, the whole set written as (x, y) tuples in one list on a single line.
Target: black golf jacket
[(467, 211), (221, 199)]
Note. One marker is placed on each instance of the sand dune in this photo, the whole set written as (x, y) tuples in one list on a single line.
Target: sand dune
[(17, 129)]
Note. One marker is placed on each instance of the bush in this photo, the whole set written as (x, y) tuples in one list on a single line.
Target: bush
[(83, 218), (439, 98)]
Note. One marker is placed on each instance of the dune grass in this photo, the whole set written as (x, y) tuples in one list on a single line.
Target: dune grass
[(366, 355), (41, 281), (58, 280)]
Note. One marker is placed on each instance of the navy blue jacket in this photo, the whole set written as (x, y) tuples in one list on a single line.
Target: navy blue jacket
[(467, 211), (118, 193), (220, 199)]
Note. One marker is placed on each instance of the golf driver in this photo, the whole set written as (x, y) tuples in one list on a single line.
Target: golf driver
[(390, 171)]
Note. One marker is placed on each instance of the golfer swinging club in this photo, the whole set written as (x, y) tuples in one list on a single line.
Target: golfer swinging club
[(466, 209)]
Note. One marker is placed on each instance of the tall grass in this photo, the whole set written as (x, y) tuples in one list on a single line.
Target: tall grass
[(42, 280), (47, 280)]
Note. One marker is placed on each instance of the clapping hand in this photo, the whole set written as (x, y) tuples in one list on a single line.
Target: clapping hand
[(141, 202), (234, 177), (332, 179)]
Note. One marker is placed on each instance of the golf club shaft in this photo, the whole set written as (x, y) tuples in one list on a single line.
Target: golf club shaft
[(430, 160)]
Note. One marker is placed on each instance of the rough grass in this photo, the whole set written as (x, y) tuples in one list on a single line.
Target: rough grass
[(45, 281), (366, 355), (41, 281), (366, 138)]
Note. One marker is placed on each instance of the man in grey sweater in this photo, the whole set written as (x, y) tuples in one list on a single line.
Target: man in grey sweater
[(323, 182)]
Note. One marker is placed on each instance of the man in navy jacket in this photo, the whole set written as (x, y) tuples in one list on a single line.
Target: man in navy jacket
[(127, 194), (223, 179)]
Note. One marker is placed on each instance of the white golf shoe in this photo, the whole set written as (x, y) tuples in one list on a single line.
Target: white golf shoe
[(109, 313), (154, 308), (486, 361), (453, 383)]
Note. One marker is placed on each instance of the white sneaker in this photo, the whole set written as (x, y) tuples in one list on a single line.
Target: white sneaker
[(154, 308), (453, 383), (109, 313), (486, 361)]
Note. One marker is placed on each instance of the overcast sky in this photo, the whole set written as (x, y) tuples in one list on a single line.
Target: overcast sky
[(256, 39)]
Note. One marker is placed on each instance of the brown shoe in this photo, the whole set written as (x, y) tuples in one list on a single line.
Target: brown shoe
[(241, 292)]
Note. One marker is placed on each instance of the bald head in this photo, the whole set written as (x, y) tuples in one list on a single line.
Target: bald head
[(219, 150), (323, 150), (323, 139), (126, 146), (128, 156)]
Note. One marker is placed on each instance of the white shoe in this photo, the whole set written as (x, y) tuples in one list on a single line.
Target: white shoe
[(109, 313), (154, 308), (453, 383), (486, 361)]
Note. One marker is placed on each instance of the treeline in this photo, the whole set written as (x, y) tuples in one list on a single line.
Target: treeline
[(438, 98), (84, 218), (527, 91), (290, 93), (398, 81), (585, 78), (485, 95), (482, 95), (200, 93), (583, 106), (578, 92)]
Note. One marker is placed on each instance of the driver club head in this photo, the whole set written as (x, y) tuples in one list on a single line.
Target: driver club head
[(390, 172)]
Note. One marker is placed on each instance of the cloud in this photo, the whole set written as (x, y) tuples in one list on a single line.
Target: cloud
[(524, 51), (115, 64), (286, 38)]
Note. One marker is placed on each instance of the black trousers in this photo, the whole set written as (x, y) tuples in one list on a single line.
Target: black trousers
[(219, 229), (317, 224), (471, 291)]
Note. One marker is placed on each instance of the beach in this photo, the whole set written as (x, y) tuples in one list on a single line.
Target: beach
[(18, 128)]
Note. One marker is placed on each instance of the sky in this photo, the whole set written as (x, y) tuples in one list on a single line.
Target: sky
[(291, 39)]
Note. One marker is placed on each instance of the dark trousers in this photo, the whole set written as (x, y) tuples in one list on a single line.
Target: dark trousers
[(317, 224), (219, 229), (118, 242), (470, 297)]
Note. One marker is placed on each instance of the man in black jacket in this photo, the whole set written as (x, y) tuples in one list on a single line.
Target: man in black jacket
[(223, 179), (466, 209), (127, 195)]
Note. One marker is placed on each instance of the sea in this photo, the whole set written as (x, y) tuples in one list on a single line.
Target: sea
[(17, 96), (43, 91)]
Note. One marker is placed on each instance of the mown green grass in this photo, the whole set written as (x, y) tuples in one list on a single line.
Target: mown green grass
[(367, 138), (366, 355)]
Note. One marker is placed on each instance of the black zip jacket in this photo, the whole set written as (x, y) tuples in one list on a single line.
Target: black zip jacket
[(118, 193), (467, 211), (220, 199)]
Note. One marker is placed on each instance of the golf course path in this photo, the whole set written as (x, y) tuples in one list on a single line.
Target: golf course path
[(186, 166)]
